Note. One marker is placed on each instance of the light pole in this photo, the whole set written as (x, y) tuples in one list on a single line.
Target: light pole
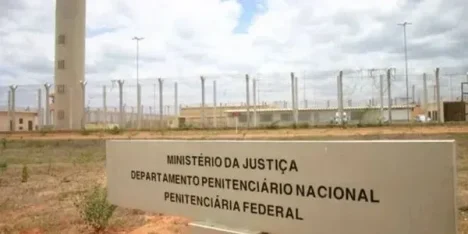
[(137, 39), (406, 69)]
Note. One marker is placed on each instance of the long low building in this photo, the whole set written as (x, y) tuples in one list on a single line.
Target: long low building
[(191, 116), (317, 116)]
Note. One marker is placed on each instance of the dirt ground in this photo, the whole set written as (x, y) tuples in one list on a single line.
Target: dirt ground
[(244, 134), (62, 167)]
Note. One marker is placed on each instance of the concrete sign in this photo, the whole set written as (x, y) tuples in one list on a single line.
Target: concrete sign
[(302, 187)]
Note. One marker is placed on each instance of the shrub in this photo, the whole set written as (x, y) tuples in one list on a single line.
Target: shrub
[(25, 174), (115, 130), (273, 125), (85, 132), (4, 143), (3, 166), (94, 208)]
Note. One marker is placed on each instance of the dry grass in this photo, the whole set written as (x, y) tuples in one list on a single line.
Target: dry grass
[(60, 170)]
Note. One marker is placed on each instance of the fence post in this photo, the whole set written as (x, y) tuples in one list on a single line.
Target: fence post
[(84, 115), (70, 108), (440, 116), (142, 117), (132, 116), (293, 94), (296, 101), (89, 115), (340, 97), (13, 107), (425, 100), (104, 104), (215, 120), (9, 110), (176, 103), (139, 110), (151, 118), (247, 93), (254, 96), (389, 93), (160, 80), (47, 107), (203, 101), (381, 97), (121, 107), (39, 108)]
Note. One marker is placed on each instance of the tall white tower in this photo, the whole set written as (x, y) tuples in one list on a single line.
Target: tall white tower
[(70, 35)]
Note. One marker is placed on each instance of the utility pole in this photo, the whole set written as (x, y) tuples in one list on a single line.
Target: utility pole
[(138, 39), (406, 69)]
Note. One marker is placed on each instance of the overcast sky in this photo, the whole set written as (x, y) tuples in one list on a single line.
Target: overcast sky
[(226, 39)]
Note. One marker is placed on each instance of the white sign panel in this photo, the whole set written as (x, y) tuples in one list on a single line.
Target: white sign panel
[(302, 187)]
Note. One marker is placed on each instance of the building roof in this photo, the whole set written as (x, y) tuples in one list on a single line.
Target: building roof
[(321, 109), (18, 112), (223, 106)]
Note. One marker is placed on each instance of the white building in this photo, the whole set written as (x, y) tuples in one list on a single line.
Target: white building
[(316, 116)]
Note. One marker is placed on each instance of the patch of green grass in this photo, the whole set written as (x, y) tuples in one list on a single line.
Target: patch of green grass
[(94, 208), (53, 151), (3, 167), (115, 131)]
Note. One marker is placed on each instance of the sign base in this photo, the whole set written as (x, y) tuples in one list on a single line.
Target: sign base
[(205, 228)]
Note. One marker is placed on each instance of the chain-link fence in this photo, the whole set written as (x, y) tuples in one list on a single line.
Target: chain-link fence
[(221, 100)]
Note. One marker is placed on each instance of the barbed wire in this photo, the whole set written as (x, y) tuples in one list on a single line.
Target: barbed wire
[(315, 87)]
